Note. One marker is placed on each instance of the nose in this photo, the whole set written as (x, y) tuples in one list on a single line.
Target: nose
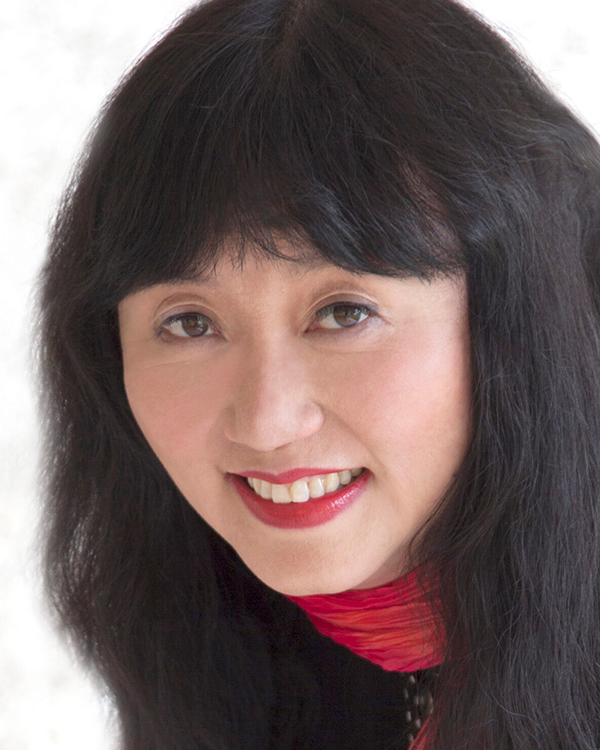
[(272, 405)]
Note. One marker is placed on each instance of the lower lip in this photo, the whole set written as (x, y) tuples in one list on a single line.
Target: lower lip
[(313, 512)]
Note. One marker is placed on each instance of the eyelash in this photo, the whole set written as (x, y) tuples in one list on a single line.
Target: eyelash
[(319, 315)]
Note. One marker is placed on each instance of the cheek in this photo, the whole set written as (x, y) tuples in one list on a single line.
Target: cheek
[(175, 407), (415, 398)]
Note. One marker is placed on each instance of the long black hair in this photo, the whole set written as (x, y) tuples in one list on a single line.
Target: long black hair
[(396, 137)]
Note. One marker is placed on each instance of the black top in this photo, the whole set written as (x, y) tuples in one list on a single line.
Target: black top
[(362, 706)]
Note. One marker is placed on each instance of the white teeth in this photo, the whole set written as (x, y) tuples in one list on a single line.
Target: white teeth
[(299, 491), (303, 489), (281, 494), (316, 488)]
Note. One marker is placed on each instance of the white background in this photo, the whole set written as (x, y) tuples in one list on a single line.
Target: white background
[(58, 60)]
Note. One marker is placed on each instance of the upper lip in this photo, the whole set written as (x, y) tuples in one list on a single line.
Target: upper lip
[(287, 477)]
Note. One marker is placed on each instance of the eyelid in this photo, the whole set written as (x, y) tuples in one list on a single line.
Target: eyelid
[(183, 308)]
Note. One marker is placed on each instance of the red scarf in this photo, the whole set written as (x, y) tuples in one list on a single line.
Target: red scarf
[(392, 626)]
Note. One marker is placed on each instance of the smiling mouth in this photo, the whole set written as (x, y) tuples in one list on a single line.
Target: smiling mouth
[(304, 489), (297, 515)]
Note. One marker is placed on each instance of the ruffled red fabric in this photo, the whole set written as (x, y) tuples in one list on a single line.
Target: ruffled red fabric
[(392, 626)]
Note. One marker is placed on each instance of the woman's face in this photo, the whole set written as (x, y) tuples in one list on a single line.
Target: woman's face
[(239, 374)]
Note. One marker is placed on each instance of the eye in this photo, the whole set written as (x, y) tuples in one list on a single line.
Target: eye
[(192, 325), (344, 314), (188, 325)]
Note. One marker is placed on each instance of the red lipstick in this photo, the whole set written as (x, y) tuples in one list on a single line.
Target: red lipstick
[(313, 512)]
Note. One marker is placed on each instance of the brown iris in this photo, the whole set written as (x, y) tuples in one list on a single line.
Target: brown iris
[(346, 315), (193, 325)]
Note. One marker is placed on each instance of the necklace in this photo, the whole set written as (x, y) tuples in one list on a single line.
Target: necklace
[(418, 699)]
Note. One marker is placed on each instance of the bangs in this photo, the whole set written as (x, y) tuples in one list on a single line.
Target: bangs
[(261, 133)]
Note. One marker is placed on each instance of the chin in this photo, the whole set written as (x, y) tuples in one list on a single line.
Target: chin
[(311, 585)]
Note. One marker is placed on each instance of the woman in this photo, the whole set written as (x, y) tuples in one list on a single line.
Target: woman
[(321, 361)]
